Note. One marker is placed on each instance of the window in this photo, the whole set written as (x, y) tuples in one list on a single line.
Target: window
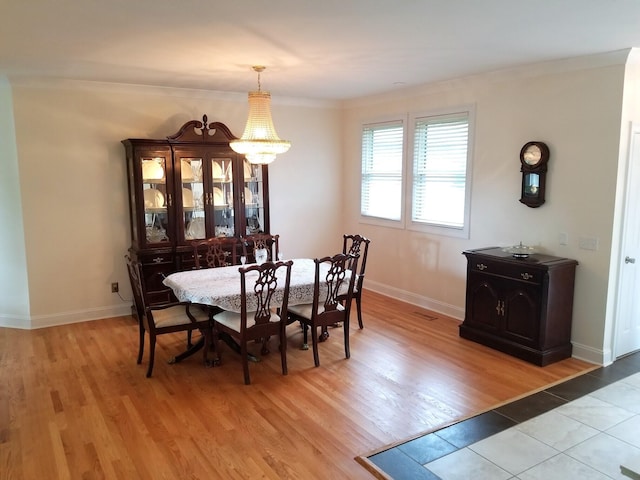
[(440, 160), (432, 184), (382, 159)]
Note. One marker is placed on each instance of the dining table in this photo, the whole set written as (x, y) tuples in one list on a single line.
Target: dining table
[(220, 287)]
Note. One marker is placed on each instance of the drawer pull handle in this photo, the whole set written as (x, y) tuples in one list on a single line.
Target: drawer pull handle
[(157, 260), (500, 308), (526, 276), (481, 266)]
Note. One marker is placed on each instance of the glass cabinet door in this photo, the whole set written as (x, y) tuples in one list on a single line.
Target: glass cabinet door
[(221, 197), (253, 198), (193, 198), (156, 199)]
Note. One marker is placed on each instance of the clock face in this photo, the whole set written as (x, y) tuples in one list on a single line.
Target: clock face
[(532, 155)]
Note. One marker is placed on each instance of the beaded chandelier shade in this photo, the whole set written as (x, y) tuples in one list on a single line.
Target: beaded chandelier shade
[(260, 142)]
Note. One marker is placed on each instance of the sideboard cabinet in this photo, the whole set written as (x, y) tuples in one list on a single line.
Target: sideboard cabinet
[(185, 187), (520, 306)]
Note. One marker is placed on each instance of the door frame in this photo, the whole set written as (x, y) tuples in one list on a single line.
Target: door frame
[(633, 162)]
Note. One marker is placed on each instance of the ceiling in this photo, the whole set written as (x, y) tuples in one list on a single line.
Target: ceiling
[(328, 49)]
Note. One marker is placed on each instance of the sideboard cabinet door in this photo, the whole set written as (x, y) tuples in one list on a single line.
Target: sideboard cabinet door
[(521, 306)]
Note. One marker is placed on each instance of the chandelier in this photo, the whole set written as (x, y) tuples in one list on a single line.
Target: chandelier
[(260, 143)]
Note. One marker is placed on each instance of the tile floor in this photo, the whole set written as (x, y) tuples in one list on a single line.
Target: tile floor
[(585, 428)]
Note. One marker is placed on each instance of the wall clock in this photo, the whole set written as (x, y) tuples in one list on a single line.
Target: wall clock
[(534, 157)]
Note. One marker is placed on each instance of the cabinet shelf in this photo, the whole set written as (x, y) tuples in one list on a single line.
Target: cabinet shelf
[(152, 210)]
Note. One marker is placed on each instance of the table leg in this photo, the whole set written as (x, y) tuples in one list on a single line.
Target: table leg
[(233, 345), (188, 352)]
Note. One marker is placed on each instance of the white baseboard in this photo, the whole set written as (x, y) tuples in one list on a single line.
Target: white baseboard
[(591, 355), (63, 318), (414, 299)]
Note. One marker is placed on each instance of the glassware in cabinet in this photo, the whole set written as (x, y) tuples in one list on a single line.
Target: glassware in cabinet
[(192, 190), (155, 198), (254, 196), (222, 198)]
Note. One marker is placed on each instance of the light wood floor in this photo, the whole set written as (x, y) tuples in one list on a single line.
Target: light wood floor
[(74, 404)]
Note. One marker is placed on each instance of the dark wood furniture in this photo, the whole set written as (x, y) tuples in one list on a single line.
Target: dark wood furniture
[(270, 243), (216, 252), (189, 186), (258, 319), (357, 245), (520, 306), (330, 304), (165, 318)]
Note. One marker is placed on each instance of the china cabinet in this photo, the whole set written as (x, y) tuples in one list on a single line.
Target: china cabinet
[(521, 306), (189, 186)]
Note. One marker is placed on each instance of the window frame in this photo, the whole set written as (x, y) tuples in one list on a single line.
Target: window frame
[(435, 228), (400, 120), (408, 122)]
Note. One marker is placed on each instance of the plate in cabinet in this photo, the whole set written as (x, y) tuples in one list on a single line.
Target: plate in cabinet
[(153, 198)]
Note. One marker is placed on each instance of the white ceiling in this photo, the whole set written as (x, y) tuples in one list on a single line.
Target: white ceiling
[(325, 49)]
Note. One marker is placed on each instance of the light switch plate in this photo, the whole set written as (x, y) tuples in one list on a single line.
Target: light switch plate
[(563, 238), (588, 243)]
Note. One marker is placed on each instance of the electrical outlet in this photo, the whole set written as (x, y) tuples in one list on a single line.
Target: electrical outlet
[(115, 287)]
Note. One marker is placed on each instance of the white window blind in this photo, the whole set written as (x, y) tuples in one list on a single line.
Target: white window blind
[(382, 154), (440, 170)]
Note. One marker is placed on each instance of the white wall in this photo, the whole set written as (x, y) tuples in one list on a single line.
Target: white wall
[(74, 188), (573, 106)]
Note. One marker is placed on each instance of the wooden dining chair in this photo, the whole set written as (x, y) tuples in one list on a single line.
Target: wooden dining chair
[(212, 253), (216, 252), (264, 295), (158, 319), (332, 295), (357, 245), (251, 243)]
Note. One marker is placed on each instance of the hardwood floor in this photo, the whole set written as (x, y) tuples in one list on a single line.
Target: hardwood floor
[(74, 404)]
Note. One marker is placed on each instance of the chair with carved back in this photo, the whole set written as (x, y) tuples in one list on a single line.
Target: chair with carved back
[(212, 253), (264, 296), (215, 252), (158, 319), (357, 245), (332, 294), (257, 241)]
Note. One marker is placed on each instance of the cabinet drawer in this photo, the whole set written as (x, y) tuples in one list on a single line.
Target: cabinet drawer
[(186, 261), (158, 258), (514, 271)]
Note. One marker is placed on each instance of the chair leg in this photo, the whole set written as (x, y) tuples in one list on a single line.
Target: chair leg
[(359, 308), (141, 345), (208, 336), (152, 352), (245, 362), (314, 341), (265, 349), (324, 335), (283, 353), (305, 344), (347, 351)]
